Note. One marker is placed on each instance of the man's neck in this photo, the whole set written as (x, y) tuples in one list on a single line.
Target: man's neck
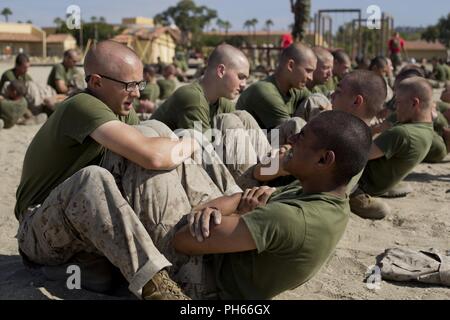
[(421, 119), (281, 83), (16, 73), (209, 89), (317, 185)]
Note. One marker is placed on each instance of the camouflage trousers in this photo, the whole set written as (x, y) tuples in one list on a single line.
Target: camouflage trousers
[(244, 144), (312, 106), (125, 213)]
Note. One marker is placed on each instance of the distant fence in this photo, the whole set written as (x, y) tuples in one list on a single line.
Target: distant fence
[(262, 57)]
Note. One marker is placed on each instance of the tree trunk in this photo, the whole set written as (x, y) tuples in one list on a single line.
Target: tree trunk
[(301, 10)]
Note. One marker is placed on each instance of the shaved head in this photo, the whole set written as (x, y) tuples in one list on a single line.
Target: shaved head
[(370, 86), (298, 52), (111, 58), (324, 68), (227, 55), (417, 87), (322, 54), (113, 72)]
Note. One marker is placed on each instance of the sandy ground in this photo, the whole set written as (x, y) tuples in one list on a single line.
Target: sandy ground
[(419, 221)]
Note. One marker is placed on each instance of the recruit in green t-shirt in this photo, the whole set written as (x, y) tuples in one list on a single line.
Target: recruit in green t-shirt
[(187, 106), (59, 72), (12, 110), (150, 92), (442, 106), (166, 88), (440, 74), (264, 101), (63, 146), (438, 150), (294, 234), (10, 76), (404, 146)]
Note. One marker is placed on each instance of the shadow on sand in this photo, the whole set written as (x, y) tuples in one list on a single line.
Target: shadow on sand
[(24, 283)]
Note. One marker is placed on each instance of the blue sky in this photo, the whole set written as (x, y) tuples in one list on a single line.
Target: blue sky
[(406, 12)]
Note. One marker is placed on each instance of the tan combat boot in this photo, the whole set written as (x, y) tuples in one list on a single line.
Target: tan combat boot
[(161, 287), (368, 207), (401, 189)]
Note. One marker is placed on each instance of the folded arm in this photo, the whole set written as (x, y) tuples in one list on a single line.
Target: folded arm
[(149, 152), (232, 235)]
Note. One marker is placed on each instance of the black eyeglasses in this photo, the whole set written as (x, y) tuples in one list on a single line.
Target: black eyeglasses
[(129, 86)]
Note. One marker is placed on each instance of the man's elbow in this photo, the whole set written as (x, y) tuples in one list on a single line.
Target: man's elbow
[(157, 161)]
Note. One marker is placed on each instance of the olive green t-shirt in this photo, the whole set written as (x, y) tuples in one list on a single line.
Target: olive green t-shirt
[(59, 72), (151, 92), (166, 88), (295, 233), (12, 110), (439, 123), (438, 150), (63, 146), (404, 146), (188, 105), (10, 76), (440, 73), (264, 101), (321, 88), (442, 106), (447, 71)]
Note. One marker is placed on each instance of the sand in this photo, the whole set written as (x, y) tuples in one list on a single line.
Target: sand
[(419, 221)]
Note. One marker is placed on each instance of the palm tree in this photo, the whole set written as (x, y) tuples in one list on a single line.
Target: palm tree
[(93, 19), (254, 22), (102, 19), (227, 26), (58, 22), (220, 24), (6, 12), (269, 24), (301, 10), (248, 25), (29, 21)]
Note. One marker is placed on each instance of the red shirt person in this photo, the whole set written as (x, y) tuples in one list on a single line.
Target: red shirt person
[(396, 45)]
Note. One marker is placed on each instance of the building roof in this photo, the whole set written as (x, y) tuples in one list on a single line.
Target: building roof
[(19, 37), (247, 34), (59, 38), (424, 45), (143, 33)]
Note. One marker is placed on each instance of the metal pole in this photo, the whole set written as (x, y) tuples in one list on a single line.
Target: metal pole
[(315, 29), (323, 30), (352, 52), (359, 34), (319, 33)]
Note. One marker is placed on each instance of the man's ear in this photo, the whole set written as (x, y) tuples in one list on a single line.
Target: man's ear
[(221, 69), (328, 158), (94, 81), (291, 65), (416, 102), (359, 100)]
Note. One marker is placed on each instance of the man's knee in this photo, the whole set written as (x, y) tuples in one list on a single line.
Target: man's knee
[(227, 121), (93, 175), (155, 128), (244, 116)]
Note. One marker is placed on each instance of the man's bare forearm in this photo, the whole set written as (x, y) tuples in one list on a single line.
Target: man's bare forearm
[(226, 204), (167, 154)]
